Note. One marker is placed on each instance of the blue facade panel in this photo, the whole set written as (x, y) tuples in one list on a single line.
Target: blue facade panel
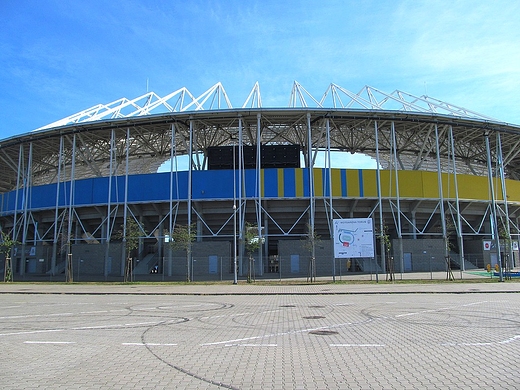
[(289, 184), (214, 184), (43, 196), (271, 183), (217, 184)]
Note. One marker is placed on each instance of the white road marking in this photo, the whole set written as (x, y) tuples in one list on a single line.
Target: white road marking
[(251, 345), (35, 315), (226, 316), (49, 342), (440, 309), (507, 341), (149, 344), (60, 314), (357, 345), (274, 335), (82, 328)]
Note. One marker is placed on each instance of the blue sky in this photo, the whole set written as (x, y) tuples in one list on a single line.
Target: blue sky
[(59, 57)]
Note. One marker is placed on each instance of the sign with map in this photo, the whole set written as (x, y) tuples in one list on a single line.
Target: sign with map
[(353, 238)]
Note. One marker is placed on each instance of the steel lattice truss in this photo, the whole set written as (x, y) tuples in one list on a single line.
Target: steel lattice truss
[(182, 100)]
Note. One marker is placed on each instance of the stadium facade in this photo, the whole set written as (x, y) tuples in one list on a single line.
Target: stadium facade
[(444, 190)]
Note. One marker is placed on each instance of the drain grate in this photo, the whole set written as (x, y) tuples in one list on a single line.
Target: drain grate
[(317, 307), (288, 306), (323, 332), (313, 317)]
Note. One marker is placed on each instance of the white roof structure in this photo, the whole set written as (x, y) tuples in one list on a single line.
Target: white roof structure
[(215, 98)]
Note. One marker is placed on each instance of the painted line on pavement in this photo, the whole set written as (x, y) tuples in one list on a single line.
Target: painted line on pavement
[(82, 328), (507, 341), (357, 345), (60, 314), (440, 309), (49, 342), (276, 334), (149, 344), (251, 345)]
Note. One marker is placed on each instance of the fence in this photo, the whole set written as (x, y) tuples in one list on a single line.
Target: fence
[(221, 268)]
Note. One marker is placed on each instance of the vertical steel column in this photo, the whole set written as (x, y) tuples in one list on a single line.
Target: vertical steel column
[(20, 172), (380, 201), (331, 213), (189, 265), (507, 240), (457, 205), (259, 195), (398, 201), (26, 197), (68, 268), (170, 224), (109, 211), (441, 195), (494, 221), (15, 218), (311, 173), (125, 255), (311, 196), (56, 211), (235, 265), (241, 212)]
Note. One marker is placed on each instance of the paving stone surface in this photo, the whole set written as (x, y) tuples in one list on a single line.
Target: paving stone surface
[(304, 339)]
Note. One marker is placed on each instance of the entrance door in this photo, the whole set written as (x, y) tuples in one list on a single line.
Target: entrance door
[(407, 262)]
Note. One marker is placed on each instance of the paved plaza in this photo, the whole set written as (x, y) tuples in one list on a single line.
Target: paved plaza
[(320, 336)]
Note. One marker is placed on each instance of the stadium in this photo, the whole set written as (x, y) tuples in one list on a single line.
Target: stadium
[(257, 190)]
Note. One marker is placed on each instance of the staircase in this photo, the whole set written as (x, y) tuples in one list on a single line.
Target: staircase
[(145, 265)]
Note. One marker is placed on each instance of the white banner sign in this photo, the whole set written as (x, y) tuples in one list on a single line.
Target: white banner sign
[(353, 237)]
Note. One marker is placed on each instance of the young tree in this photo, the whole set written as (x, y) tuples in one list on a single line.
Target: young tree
[(450, 233), (130, 237), (311, 241), (251, 244), (181, 239), (6, 247), (386, 245), (505, 237)]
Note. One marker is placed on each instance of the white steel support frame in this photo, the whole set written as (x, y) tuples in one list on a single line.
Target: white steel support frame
[(398, 201), (56, 210), (26, 197), (124, 253), (189, 261), (441, 201), (380, 201), (170, 203), (17, 192), (109, 204), (457, 202), (507, 242), (68, 261), (331, 210), (259, 194), (235, 264), (241, 205), (310, 165), (494, 221)]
